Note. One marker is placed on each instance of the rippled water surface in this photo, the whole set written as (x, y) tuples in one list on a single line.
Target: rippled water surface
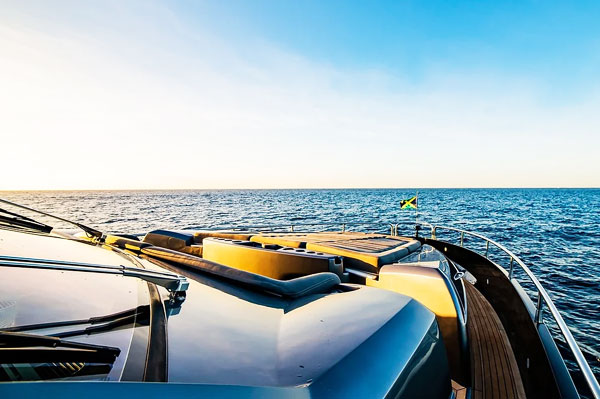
[(554, 231)]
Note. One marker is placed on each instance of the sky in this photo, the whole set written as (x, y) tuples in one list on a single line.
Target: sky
[(298, 94)]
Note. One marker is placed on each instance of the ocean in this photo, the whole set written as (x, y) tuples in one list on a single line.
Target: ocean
[(556, 232)]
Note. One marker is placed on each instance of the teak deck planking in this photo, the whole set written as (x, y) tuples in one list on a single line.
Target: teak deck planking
[(494, 369)]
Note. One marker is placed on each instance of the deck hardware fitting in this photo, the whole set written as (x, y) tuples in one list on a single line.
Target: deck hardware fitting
[(363, 274), (539, 313)]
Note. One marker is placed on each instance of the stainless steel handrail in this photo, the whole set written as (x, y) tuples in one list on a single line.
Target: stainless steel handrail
[(542, 298), (171, 281)]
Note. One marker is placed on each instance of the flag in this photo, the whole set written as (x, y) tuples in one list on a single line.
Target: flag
[(410, 203)]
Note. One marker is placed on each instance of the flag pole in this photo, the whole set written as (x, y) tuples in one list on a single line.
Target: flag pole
[(417, 214)]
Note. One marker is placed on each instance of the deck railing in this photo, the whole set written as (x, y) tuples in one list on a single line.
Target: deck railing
[(315, 227), (543, 299)]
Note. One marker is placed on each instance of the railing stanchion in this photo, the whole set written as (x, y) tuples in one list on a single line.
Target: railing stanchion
[(487, 248), (462, 238), (539, 312), (343, 227), (510, 269)]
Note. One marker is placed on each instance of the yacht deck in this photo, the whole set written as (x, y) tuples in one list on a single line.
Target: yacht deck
[(494, 369)]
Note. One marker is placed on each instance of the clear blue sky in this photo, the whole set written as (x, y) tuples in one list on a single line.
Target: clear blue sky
[(556, 44), (303, 94)]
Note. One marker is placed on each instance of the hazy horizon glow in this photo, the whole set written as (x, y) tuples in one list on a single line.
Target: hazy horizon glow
[(151, 95)]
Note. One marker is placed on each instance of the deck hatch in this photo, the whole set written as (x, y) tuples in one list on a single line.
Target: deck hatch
[(372, 245)]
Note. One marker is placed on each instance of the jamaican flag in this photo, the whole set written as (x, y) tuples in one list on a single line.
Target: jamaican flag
[(410, 203)]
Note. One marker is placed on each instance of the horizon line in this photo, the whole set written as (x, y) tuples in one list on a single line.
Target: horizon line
[(303, 188)]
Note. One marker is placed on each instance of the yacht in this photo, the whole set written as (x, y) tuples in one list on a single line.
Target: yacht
[(316, 311)]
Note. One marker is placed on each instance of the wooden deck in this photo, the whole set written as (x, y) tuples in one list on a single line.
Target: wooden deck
[(494, 370)]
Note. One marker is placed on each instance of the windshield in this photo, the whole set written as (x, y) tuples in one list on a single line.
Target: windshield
[(26, 299), (30, 305)]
